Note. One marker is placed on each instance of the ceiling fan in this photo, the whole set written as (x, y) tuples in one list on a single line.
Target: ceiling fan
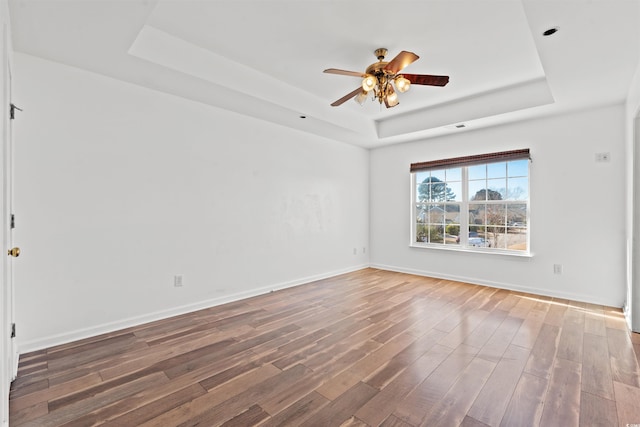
[(378, 78)]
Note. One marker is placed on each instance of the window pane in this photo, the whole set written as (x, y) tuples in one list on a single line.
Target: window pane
[(517, 242), (421, 176), (497, 170), (437, 191), (454, 174), (517, 214), (478, 172), (452, 215), (477, 190), (438, 175), (496, 215), (478, 240), (436, 214), (497, 189), (423, 191), (436, 233), (518, 189), (497, 237), (441, 193), (421, 214), (422, 233), (450, 238), (518, 168), (454, 191), (476, 215)]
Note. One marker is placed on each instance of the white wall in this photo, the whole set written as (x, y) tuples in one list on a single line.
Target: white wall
[(577, 208), (632, 141), (119, 188)]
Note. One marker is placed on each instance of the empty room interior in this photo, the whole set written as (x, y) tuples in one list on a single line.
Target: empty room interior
[(320, 212)]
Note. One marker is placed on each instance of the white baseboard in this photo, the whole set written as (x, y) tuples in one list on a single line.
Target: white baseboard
[(38, 344), (14, 368), (499, 285)]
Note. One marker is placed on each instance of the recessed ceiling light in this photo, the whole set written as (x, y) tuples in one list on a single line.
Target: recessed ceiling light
[(550, 31)]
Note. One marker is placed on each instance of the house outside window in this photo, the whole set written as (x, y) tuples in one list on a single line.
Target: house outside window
[(478, 203)]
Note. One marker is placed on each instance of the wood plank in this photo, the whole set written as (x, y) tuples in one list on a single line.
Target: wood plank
[(597, 411), (454, 405), (299, 411), (20, 416), (394, 367), (624, 364), (418, 403), (562, 404), (195, 407), (464, 329), (472, 422), (250, 417), (486, 329), (137, 409), (492, 401), (594, 321), (596, 367), (525, 407), (341, 409), (528, 333), (376, 410), (393, 421), (544, 351), (364, 367), (627, 398), (238, 403), (276, 403), (557, 310), (354, 422), (570, 343), (72, 411), (500, 340)]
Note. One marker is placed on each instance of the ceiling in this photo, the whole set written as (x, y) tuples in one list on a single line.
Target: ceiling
[(264, 58)]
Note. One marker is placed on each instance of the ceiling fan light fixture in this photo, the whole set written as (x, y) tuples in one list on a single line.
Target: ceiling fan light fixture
[(402, 84), (369, 82), (361, 97), (391, 99)]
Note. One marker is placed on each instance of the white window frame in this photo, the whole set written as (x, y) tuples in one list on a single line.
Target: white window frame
[(464, 204)]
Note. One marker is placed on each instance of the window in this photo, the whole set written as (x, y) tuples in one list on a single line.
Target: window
[(474, 203)]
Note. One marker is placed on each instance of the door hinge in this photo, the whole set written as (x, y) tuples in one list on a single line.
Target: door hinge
[(13, 330), (13, 221), (12, 111)]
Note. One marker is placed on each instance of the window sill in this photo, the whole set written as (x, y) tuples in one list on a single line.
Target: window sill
[(488, 251)]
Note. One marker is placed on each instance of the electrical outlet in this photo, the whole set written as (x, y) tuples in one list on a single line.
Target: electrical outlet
[(177, 280), (364, 250), (355, 251), (557, 268), (603, 157)]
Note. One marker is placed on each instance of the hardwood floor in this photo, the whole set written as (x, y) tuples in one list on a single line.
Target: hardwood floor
[(369, 348)]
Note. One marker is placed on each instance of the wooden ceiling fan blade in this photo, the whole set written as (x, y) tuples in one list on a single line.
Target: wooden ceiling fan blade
[(346, 97), (426, 79), (343, 72), (401, 60)]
